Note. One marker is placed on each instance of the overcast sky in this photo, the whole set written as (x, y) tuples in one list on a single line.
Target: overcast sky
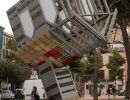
[(5, 5)]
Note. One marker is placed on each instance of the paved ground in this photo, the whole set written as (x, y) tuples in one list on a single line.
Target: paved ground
[(105, 97)]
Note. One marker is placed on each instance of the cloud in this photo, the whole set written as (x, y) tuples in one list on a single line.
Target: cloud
[(4, 6)]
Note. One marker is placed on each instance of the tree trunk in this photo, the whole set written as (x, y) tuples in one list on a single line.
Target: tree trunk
[(127, 51), (95, 85), (95, 76), (0, 84)]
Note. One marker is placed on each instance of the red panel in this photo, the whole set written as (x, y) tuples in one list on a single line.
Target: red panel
[(38, 64), (56, 53), (41, 62)]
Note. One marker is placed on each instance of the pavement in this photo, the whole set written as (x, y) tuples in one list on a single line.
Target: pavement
[(103, 97)]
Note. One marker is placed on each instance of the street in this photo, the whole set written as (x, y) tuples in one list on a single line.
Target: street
[(103, 97)]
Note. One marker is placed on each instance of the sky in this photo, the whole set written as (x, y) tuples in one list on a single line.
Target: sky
[(4, 22)]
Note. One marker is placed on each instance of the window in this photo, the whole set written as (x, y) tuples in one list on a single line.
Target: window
[(4, 54), (3, 41), (49, 10), (27, 22)]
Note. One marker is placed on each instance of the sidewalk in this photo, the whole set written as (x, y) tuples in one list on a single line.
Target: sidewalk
[(103, 97)]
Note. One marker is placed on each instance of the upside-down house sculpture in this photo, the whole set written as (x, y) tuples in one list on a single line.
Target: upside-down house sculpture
[(51, 34)]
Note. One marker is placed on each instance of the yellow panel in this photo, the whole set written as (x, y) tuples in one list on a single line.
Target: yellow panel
[(35, 50)]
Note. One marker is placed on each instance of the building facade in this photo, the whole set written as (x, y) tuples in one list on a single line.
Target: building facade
[(5, 37), (5, 52), (111, 47)]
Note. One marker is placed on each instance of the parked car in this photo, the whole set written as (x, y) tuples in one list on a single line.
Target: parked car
[(7, 94)]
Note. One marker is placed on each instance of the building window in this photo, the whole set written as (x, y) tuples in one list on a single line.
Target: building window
[(3, 41), (4, 53), (7, 43), (26, 22)]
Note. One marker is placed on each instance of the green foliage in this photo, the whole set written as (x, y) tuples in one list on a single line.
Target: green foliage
[(12, 45), (89, 65), (84, 68), (14, 68), (122, 7), (15, 73), (120, 74), (75, 66), (115, 60), (13, 58), (115, 63)]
